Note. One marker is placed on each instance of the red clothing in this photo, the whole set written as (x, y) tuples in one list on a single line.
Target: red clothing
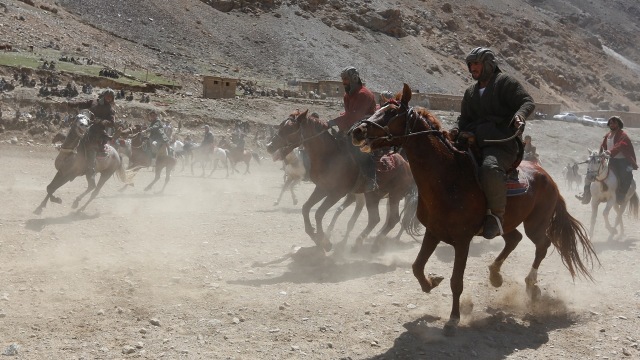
[(622, 145), (357, 106)]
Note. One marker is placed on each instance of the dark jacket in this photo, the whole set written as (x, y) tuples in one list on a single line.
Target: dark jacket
[(156, 132), (208, 139), (100, 110), (489, 116)]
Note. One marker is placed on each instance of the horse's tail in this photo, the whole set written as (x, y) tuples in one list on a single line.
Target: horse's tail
[(126, 176), (256, 157), (409, 220), (633, 205), (566, 233)]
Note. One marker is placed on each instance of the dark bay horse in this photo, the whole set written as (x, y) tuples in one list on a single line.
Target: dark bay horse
[(452, 206), (141, 157), (335, 173), (72, 163)]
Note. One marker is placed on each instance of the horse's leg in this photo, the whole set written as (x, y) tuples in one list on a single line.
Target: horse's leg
[(284, 188), (313, 199), (429, 244), (594, 214), (192, 163), (457, 285), (605, 213), (511, 240), (158, 170), (393, 217), (348, 200), (90, 187), (372, 201), (328, 202), (294, 183), (247, 162), (58, 180), (103, 179), (537, 232)]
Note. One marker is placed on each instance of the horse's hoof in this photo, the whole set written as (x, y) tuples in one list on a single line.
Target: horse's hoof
[(495, 278), (450, 327), (534, 292), (75, 204), (435, 280), (37, 211), (327, 246), (56, 200)]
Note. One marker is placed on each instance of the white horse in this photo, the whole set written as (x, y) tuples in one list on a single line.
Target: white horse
[(294, 172), (603, 190), (210, 154)]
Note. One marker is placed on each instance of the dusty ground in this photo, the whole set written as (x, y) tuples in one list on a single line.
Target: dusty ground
[(92, 285)]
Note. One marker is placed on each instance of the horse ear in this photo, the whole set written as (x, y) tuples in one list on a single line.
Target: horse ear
[(590, 151), (406, 94)]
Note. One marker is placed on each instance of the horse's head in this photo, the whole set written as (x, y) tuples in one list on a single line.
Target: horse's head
[(288, 136), (392, 124), (81, 125), (596, 163)]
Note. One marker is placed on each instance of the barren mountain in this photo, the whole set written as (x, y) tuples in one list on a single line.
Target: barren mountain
[(579, 53)]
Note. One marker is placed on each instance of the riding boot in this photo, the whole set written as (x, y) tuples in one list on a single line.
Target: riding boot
[(368, 168), (492, 225)]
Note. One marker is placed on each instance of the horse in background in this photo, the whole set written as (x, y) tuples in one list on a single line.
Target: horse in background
[(294, 172), (603, 190), (236, 155), (209, 154), (71, 162), (335, 173), (571, 176), (142, 156), (452, 206)]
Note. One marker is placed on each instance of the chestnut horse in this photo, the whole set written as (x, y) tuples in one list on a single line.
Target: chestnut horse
[(452, 205), (236, 156), (335, 173)]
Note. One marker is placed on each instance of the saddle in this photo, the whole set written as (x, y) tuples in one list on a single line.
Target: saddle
[(466, 142)]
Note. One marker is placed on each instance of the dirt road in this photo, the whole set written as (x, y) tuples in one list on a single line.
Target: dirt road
[(140, 275)]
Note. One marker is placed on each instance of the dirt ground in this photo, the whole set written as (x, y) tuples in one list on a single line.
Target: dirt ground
[(143, 275)]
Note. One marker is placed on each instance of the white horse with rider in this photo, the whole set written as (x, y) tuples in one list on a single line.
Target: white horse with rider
[(603, 190)]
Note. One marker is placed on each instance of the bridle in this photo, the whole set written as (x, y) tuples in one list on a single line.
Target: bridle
[(411, 115), (593, 174)]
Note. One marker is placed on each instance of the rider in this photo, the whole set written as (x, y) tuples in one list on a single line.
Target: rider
[(208, 137), (359, 103), (622, 159), (103, 116), (494, 108), (529, 150), (156, 132)]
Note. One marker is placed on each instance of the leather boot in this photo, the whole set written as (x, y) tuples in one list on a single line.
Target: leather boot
[(492, 226)]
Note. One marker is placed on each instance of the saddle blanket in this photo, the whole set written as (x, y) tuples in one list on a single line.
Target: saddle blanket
[(517, 187)]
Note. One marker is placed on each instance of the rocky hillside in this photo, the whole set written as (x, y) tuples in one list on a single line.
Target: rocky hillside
[(579, 53)]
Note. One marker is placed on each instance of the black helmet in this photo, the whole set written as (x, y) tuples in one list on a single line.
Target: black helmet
[(351, 74), (486, 57)]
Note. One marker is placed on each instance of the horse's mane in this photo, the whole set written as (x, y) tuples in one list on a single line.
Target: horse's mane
[(317, 123), (435, 122)]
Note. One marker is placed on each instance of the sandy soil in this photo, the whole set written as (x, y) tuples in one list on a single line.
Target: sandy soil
[(141, 275)]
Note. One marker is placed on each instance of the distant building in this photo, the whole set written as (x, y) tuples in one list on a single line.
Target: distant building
[(214, 87), (331, 88), (307, 86)]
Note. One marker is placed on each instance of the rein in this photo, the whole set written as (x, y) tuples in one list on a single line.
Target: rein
[(597, 172)]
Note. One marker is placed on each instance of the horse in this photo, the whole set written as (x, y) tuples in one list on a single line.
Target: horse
[(571, 176), (294, 172), (452, 206), (72, 162), (335, 173), (209, 153), (236, 155), (142, 157), (603, 190)]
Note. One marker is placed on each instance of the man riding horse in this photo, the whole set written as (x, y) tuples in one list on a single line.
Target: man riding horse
[(494, 109), (157, 134), (103, 117), (359, 103)]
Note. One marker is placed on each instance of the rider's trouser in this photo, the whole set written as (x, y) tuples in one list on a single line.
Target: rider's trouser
[(496, 160), (620, 167)]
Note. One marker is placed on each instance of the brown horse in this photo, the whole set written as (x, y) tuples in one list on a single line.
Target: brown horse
[(142, 157), (452, 206), (335, 173), (236, 155)]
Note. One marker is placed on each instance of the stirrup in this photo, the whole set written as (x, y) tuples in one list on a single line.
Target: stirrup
[(498, 221)]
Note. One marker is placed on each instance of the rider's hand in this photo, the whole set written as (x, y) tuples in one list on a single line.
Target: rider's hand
[(607, 152), (518, 121)]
